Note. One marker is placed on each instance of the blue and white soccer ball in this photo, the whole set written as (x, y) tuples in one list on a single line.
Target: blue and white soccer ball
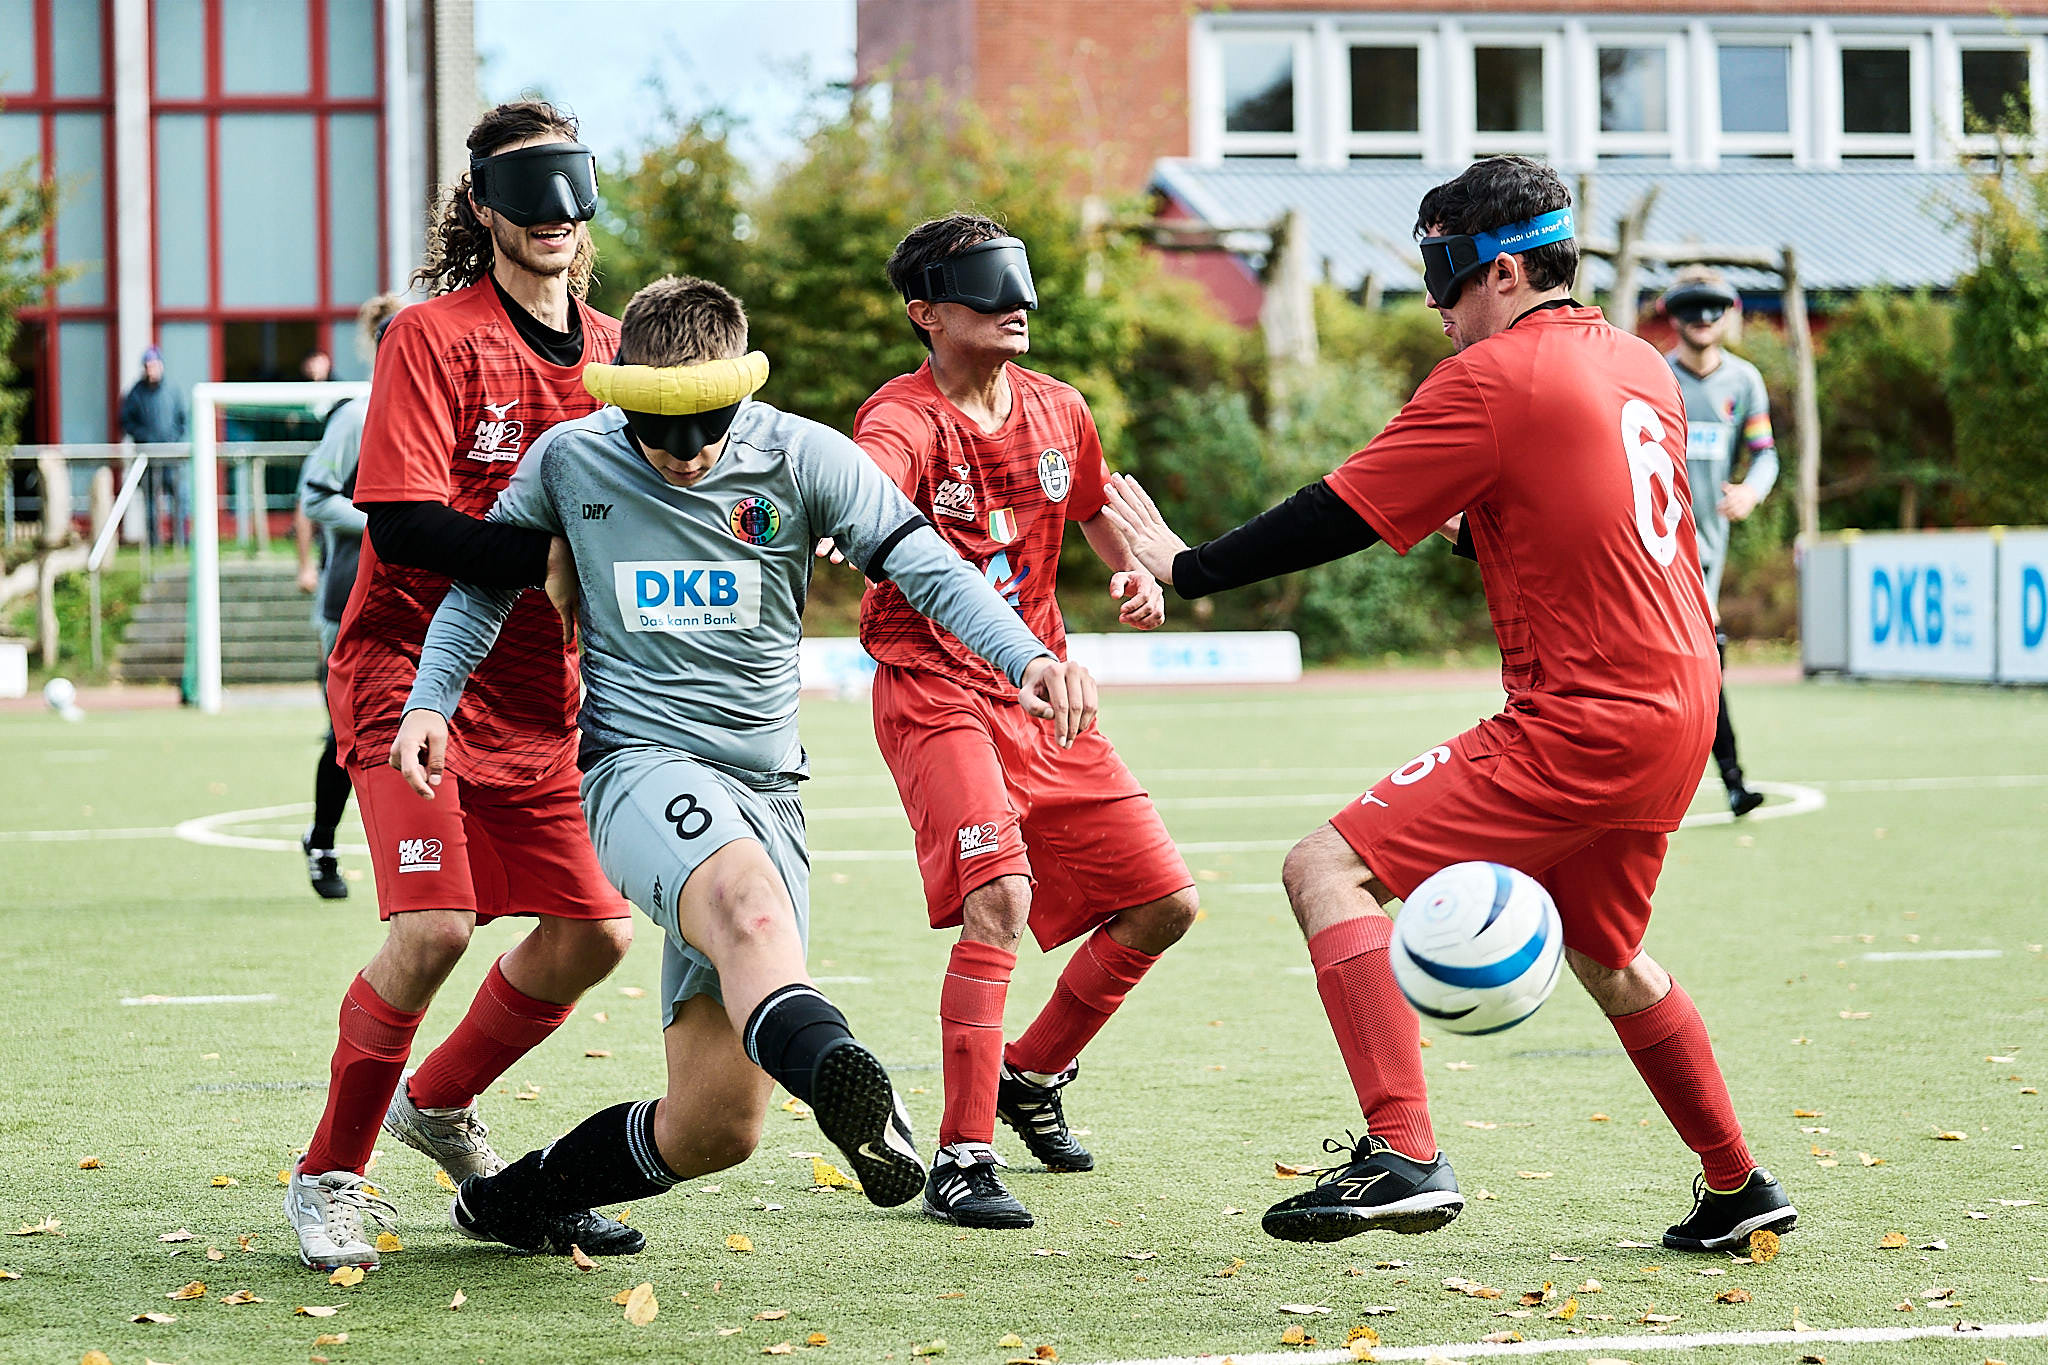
[(1477, 947)]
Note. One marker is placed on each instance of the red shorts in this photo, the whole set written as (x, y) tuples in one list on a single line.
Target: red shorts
[(496, 851), (991, 794), (1445, 807)]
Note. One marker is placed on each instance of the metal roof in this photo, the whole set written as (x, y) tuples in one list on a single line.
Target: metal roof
[(1854, 228)]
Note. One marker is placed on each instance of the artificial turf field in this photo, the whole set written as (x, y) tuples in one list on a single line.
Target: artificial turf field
[(1931, 840)]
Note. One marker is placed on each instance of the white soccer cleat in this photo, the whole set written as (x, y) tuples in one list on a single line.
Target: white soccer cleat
[(456, 1139), (327, 1213)]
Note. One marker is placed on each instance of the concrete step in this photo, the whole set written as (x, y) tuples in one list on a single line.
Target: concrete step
[(231, 674), (231, 651), (292, 630), (298, 609)]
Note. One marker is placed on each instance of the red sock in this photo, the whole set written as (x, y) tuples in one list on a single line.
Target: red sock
[(1668, 1043), (971, 1030), (1097, 978), (1376, 1031), (503, 1025), (369, 1057)]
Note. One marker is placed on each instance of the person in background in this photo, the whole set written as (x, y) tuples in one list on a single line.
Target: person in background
[(326, 481), (1726, 407), (154, 413)]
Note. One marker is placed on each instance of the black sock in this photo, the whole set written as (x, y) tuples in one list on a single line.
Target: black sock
[(790, 1031), (609, 1158), (330, 795), (1724, 733)]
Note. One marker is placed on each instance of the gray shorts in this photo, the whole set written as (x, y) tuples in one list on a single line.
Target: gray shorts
[(655, 815)]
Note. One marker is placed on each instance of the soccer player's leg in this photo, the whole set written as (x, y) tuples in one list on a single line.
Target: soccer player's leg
[(937, 738), (1105, 864), (1603, 898), (419, 851), (330, 799), (1742, 799)]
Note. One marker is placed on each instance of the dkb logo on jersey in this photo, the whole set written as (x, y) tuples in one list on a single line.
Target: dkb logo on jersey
[(419, 855), (683, 596), (1009, 585), (755, 520)]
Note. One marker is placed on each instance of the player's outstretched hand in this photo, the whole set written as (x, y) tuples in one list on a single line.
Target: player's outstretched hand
[(829, 548), (1130, 509), (563, 590), (1063, 693), (421, 749), (1144, 600)]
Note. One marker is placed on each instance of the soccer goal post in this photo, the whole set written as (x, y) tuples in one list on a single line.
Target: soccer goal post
[(207, 402)]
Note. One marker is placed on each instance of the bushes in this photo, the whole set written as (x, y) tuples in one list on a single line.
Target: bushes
[(1998, 374)]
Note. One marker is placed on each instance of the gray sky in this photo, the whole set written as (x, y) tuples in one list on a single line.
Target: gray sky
[(597, 56)]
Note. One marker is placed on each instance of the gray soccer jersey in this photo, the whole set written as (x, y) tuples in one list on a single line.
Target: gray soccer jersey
[(692, 598), (1725, 412)]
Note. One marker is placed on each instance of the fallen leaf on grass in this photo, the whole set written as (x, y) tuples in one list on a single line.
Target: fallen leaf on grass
[(796, 1108), (224, 1182), (1591, 1287), (1560, 1256), (1903, 1306), (10, 1274), (94, 1358), (1951, 1135), (632, 992), (817, 1339), (194, 1290), (1458, 1284), (331, 1339), (778, 1314), (1044, 1351), (1659, 1319), (1484, 1127), (1536, 1298), (215, 1254), (240, 1296), (597, 1052), (1626, 1245), (1565, 1311), (154, 1317), (284, 1175), (780, 1348), (1302, 1309), (1141, 1255), (315, 1310), (1938, 1244), (1283, 1171), (88, 1163), (961, 1293), (826, 1176), (739, 1242), (1797, 1325), (2017, 1203), (1808, 1114), (1736, 1295), (1763, 1246), (348, 1276), (1364, 1334), (723, 1331), (48, 1227), (1011, 1342), (179, 1236), (1891, 1241), (935, 1347), (1854, 1014), (1501, 1338), (1229, 1271), (641, 1305), (1535, 1175), (1458, 1066), (526, 1094), (1294, 1336), (1047, 1251), (1598, 1118), (1483, 1193), (1376, 1310), (1869, 1160), (1714, 1270)]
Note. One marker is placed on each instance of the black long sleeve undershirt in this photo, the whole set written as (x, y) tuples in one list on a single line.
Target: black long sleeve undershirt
[(1313, 527), (435, 537)]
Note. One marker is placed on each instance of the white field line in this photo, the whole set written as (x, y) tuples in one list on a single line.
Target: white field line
[(1936, 955), (263, 999), (1590, 1346), (79, 836)]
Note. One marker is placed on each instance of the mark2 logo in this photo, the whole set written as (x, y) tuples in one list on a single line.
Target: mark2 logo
[(1055, 476), (419, 855), (954, 499), (497, 440), (976, 840)]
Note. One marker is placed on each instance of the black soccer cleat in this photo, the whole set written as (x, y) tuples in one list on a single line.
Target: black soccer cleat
[(1723, 1222), (965, 1190), (1742, 800), (1038, 1117), (858, 1109), (322, 870), (480, 1216), (1377, 1190)]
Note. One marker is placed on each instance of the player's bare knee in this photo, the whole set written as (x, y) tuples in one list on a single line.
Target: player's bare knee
[(431, 942), (997, 912), (730, 1139), (748, 905), (1158, 925)]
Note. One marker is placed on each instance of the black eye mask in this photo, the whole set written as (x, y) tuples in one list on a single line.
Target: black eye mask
[(1698, 301), (555, 182), (992, 277), (681, 435)]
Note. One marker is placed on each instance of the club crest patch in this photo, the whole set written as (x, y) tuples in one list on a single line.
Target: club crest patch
[(1055, 476), (755, 520)]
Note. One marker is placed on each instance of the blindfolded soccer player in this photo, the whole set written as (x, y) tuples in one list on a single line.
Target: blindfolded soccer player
[(1012, 829), (464, 382), (1558, 438), (1726, 405), (690, 511)]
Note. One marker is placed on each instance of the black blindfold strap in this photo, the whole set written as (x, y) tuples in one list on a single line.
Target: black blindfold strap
[(685, 435)]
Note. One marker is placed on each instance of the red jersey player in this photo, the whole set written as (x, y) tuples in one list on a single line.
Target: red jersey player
[(1012, 829), (465, 381), (1561, 440)]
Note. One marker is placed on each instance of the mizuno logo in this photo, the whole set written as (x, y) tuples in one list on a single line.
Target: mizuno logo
[(498, 410)]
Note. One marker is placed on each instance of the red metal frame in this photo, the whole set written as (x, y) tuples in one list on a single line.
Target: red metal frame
[(46, 105)]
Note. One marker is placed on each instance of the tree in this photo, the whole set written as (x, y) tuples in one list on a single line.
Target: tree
[(677, 207), (26, 206), (1998, 371)]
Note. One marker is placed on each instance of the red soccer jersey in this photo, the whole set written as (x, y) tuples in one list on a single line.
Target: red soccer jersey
[(1562, 439), (1001, 500), (456, 402)]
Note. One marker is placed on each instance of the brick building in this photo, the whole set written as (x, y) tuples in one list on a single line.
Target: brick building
[(1814, 121)]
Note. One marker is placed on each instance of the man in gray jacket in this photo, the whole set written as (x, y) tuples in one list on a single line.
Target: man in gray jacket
[(689, 513), (153, 413)]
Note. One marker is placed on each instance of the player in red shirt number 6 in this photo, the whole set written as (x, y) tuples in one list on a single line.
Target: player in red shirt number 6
[(465, 381), (1014, 827), (1551, 447)]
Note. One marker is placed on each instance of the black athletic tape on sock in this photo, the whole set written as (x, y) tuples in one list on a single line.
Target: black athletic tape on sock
[(789, 1031)]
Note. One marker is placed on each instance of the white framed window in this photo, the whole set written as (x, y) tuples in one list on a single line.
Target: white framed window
[(1884, 104), (1762, 91), (1638, 83), (1387, 105), (1516, 83), (1262, 83), (1998, 86)]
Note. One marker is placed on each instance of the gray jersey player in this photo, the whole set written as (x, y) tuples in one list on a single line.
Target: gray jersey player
[(688, 514), (1728, 415)]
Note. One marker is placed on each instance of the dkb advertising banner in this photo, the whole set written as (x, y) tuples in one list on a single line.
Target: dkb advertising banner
[(1921, 605), (2023, 607)]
